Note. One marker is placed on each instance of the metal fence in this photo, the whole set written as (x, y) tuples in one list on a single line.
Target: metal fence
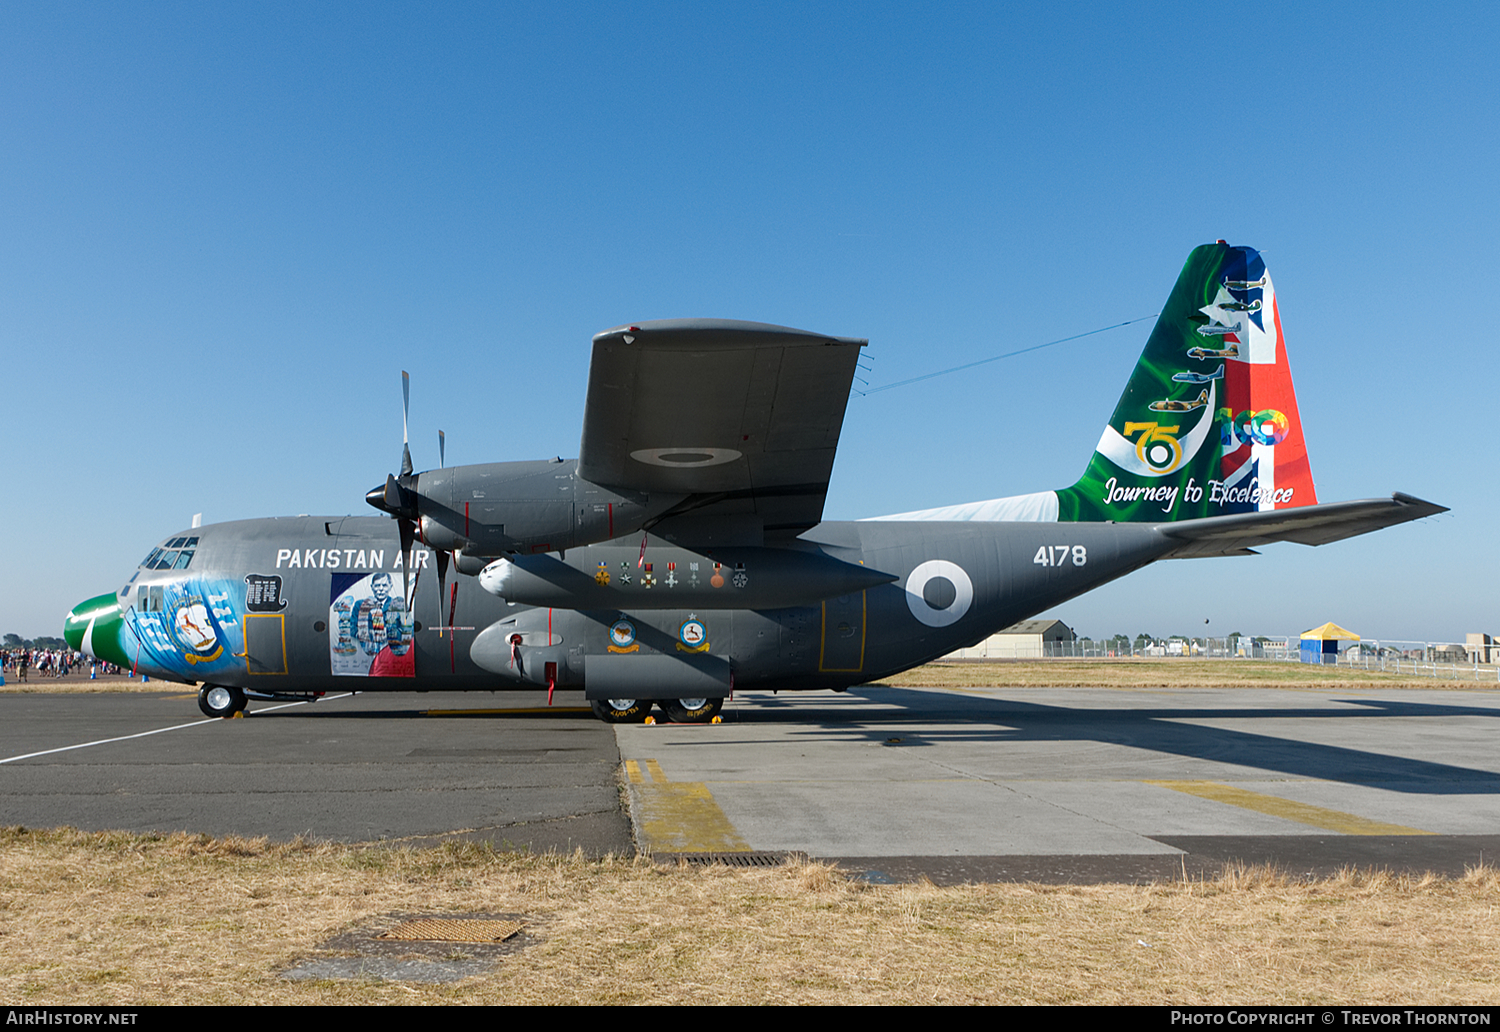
[(1441, 659), (1454, 661)]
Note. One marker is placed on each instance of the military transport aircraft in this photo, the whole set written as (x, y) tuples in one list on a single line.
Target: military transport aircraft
[(683, 554)]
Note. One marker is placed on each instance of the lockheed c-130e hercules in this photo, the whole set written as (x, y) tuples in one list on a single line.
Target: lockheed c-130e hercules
[(683, 555)]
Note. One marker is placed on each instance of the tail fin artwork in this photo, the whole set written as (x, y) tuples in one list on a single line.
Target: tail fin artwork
[(1206, 442), (1208, 424)]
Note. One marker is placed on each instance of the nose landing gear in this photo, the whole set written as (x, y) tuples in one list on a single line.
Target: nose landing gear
[(217, 700)]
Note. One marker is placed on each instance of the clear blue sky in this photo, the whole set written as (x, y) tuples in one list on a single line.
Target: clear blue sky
[(226, 228)]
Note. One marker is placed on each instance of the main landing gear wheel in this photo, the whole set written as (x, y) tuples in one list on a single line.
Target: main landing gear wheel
[(620, 711), (217, 700), (691, 711)]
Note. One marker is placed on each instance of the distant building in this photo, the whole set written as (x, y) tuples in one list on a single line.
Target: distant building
[(1482, 648), (1264, 648), (1024, 640)]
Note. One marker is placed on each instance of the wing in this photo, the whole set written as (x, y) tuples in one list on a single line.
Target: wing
[(741, 418), (1307, 525)]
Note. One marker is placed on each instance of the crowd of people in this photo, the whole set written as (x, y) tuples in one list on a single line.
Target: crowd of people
[(21, 664)]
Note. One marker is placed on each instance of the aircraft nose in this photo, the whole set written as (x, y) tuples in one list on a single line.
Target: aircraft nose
[(93, 627)]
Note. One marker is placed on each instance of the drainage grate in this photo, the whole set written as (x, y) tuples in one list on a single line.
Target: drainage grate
[(745, 859), (441, 929)]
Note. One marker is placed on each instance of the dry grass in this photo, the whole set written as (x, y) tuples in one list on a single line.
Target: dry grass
[(78, 683), (116, 918), (1160, 673)]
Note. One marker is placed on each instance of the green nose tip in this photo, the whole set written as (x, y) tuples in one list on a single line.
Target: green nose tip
[(93, 627)]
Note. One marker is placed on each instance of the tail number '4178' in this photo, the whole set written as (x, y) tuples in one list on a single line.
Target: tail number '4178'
[(1058, 555)]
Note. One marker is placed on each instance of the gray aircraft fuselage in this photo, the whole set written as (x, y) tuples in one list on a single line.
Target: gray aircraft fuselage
[(698, 618)]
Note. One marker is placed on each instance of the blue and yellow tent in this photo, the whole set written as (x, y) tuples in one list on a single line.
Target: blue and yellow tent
[(1321, 644)]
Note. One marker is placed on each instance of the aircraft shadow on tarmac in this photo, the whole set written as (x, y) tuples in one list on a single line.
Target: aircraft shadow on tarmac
[(958, 719), (440, 707), (955, 719), (558, 713)]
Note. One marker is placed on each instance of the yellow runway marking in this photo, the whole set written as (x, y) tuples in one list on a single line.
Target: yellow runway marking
[(679, 816), (528, 710), (1302, 813)]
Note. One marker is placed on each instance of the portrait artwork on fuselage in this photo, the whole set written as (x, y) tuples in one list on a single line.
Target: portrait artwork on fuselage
[(369, 627)]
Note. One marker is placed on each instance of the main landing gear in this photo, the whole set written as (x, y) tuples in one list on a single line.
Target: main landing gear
[(691, 711), (678, 711), (216, 700)]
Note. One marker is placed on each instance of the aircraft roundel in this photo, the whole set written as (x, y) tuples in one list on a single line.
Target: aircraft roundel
[(685, 457), (963, 593)]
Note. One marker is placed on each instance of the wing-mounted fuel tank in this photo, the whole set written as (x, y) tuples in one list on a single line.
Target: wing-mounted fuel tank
[(499, 508), (672, 577)]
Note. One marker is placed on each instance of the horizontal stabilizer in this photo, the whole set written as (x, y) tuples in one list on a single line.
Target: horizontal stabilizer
[(1306, 525)]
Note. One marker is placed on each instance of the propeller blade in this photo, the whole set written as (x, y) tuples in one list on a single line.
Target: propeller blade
[(411, 595), (442, 565), (452, 616), (408, 538), (405, 410), (442, 451)]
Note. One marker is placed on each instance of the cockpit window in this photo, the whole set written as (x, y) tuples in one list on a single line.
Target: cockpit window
[(175, 554)]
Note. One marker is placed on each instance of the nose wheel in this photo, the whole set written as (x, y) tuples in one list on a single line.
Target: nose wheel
[(217, 700)]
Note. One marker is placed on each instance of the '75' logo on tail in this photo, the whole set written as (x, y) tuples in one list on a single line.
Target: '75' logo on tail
[(1156, 447)]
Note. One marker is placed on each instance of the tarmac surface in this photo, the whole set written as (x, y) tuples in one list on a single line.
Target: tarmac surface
[(1052, 785), (395, 767)]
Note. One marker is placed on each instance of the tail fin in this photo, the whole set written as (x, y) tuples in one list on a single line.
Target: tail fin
[(1208, 424)]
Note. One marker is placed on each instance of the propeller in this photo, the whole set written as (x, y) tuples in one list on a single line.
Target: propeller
[(397, 495)]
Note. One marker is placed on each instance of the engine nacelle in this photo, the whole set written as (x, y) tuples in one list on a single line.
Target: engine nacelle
[(501, 508)]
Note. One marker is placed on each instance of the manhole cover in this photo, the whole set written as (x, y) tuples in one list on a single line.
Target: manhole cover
[(443, 929), (417, 948)]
